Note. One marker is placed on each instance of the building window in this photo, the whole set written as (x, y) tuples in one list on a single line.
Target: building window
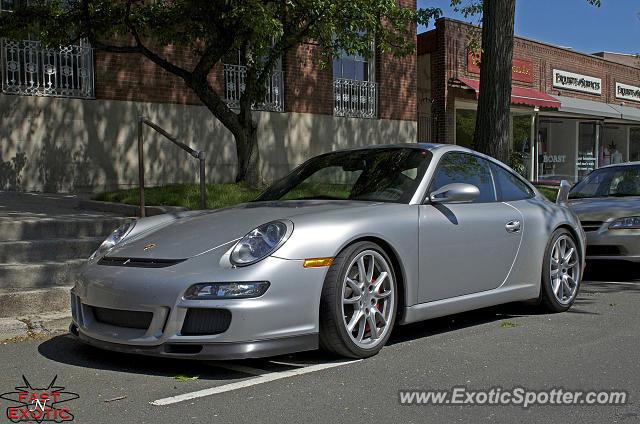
[(355, 92), (29, 69), (8, 5), (234, 81), (634, 144)]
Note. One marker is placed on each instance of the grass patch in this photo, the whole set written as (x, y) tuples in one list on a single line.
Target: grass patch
[(508, 324), (187, 195), (549, 193), (185, 378)]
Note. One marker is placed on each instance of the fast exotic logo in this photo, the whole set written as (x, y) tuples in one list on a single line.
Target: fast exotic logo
[(39, 404)]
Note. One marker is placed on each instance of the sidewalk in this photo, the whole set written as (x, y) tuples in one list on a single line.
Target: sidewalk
[(44, 239)]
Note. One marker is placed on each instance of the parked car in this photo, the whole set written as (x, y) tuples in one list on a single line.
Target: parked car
[(607, 201), (333, 255)]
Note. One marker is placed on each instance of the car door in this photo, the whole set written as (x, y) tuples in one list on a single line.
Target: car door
[(466, 247)]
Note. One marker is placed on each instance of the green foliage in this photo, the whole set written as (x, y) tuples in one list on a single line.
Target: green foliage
[(185, 378), (261, 30), (549, 193), (257, 32), (508, 324), (187, 195)]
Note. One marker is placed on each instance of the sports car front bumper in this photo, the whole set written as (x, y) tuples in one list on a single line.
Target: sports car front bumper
[(148, 313)]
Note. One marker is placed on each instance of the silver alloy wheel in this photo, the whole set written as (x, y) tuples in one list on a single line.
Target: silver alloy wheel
[(368, 292), (564, 269)]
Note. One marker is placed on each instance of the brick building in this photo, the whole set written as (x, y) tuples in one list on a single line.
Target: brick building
[(582, 109), (68, 116)]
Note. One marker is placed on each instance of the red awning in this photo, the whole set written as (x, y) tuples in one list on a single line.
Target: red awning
[(520, 96)]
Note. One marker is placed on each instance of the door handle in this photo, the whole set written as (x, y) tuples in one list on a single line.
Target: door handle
[(513, 226)]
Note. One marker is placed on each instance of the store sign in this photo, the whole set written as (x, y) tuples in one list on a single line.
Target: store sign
[(627, 92), (586, 163), (521, 71), (576, 82), (547, 158)]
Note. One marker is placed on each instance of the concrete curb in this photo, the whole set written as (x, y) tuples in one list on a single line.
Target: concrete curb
[(127, 210), (34, 326)]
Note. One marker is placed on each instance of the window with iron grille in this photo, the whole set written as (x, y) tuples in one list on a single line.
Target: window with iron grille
[(355, 92), (234, 86), (32, 70)]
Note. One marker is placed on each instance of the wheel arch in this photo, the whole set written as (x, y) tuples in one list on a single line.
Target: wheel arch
[(398, 268), (576, 237)]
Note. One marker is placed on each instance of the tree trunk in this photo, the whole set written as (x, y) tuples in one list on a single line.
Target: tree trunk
[(492, 122), (242, 126), (247, 150)]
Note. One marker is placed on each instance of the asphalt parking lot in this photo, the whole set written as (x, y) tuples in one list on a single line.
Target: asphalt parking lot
[(594, 346)]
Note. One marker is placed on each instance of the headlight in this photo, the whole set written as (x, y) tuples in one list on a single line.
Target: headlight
[(226, 290), (632, 222), (111, 241), (261, 242)]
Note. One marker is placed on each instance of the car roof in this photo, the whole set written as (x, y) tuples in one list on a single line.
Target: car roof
[(636, 163), (421, 146)]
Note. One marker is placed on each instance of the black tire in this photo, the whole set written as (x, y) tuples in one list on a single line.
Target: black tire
[(548, 301), (334, 336)]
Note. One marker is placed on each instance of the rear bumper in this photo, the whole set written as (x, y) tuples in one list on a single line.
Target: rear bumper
[(209, 351)]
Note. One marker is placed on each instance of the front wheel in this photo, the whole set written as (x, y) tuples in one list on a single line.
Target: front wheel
[(359, 301), (561, 272)]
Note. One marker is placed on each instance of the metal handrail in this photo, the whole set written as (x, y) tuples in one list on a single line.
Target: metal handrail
[(201, 156)]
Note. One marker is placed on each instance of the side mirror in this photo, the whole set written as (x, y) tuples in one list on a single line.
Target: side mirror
[(455, 192), (563, 193)]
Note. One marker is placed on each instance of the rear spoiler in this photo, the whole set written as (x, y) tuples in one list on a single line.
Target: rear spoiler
[(563, 193)]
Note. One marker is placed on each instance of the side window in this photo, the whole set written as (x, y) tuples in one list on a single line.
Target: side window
[(465, 168), (509, 186)]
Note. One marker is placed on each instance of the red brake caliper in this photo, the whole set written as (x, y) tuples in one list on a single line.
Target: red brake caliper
[(367, 328)]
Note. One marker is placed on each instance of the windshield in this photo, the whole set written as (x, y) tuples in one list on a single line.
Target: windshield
[(616, 181), (389, 174)]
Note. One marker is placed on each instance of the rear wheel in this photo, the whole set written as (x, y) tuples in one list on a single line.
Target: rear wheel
[(561, 272), (359, 301)]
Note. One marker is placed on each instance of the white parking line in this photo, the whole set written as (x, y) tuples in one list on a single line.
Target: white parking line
[(622, 283), (266, 378)]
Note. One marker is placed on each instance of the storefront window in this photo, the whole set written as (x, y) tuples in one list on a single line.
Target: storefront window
[(520, 146), (465, 127), (634, 144), (614, 145), (557, 150), (586, 149)]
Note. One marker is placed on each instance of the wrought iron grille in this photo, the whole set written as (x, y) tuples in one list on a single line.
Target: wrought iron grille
[(425, 128), (29, 69), (234, 77), (353, 98)]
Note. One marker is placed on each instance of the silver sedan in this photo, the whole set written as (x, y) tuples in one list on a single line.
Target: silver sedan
[(334, 255), (607, 201)]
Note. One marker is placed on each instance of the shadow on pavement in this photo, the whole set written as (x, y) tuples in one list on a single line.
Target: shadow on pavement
[(68, 350), (460, 321), (611, 271)]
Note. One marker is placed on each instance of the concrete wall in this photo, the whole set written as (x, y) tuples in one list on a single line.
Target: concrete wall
[(72, 145)]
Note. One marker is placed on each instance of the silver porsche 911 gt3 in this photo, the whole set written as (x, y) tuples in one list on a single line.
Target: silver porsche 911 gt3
[(333, 255)]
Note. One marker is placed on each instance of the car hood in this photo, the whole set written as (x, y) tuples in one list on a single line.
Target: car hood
[(193, 235), (603, 208)]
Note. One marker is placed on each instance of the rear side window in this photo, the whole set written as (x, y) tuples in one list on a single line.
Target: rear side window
[(465, 168), (509, 186)]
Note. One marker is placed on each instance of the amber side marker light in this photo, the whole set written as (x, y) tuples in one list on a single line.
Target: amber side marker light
[(317, 262)]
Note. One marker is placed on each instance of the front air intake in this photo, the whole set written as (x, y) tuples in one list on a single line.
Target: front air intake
[(205, 321), (121, 318)]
